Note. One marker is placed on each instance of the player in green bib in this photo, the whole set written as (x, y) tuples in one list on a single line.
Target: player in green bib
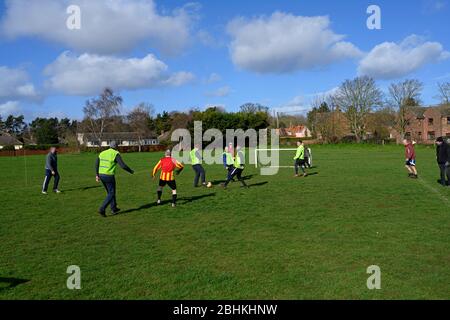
[(196, 161), (238, 168), (106, 166), (300, 159)]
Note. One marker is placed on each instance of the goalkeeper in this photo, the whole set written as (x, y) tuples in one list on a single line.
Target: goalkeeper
[(167, 165), (300, 159)]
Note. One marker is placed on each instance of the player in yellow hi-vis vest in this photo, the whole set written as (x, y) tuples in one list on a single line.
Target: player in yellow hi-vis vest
[(300, 159), (196, 161), (106, 169), (228, 161), (238, 168)]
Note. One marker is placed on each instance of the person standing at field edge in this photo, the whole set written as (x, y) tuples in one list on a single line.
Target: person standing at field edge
[(443, 160), (51, 170), (410, 155), (196, 161), (167, 165), (300, 159), (105, 172)]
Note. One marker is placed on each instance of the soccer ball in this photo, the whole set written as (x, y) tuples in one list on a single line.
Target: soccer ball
[(209, 185)]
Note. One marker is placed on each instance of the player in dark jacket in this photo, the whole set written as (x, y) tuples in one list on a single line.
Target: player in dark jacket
[(51, 170), (443, 160)]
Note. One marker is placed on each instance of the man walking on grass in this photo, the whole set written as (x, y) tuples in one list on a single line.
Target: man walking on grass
[(105, 168), (410, 155), (167, 165), (443, 160), (300, 159), (196, 161), (51, 170)]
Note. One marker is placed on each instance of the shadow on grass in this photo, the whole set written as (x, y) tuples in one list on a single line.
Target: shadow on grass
[(182, 200), (84, 188), (259, 184), (312, 174), (11, 283), (218, 182)]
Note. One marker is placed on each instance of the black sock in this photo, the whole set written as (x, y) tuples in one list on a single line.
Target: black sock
[(159, 195), (174, 199)]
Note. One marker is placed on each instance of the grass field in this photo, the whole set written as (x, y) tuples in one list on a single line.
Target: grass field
[(284, 238)]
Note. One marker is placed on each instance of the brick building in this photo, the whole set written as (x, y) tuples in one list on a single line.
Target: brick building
[(426, 124)]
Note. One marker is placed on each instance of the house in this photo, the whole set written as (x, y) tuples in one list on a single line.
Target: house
[(426, 124), (123, 139), (299, 131), (7, 140)]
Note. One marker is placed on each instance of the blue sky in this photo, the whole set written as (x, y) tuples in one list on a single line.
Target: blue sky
[(179, 55)]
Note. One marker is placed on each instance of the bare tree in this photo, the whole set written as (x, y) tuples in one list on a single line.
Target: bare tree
[(444, 92), (99, 112), (139, 119), (357, 98), (404, 96), (253, 108)]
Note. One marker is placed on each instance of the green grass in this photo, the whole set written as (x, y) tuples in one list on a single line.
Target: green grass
[(284, 238)]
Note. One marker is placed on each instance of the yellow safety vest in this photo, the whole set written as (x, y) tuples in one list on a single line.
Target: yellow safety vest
[(237, 160), (194, 159), (107, 162)]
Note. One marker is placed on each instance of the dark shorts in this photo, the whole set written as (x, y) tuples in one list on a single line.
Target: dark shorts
[(172, 184), (300, 162), (411, 162)]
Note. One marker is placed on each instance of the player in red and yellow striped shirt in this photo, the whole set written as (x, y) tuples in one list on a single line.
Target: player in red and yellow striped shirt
[(167, 165)]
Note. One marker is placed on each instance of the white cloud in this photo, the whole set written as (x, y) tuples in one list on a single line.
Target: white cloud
[(390, 60), (15, 84), (221, 92), (179, 79), (90, 74), (8, 108), (284, 43), (106, 26)]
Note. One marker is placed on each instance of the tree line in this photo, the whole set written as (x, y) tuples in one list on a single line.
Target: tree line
[(363, 107), (358, 102)]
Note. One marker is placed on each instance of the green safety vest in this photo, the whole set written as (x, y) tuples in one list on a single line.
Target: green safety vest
[(229, 158), (194, 159), (300, 153), (237, 160), (107, 162)]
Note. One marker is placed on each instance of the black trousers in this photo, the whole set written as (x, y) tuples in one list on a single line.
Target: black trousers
[(230, 169), (445, 173), (299, 163), (237, 172), (199, 174), (109, 182), (48, 177)]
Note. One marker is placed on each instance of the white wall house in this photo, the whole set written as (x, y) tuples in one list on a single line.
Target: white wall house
[(123, 139), (8, 140)]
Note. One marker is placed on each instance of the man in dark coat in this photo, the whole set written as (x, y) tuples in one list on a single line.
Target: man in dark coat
[(443, 160)]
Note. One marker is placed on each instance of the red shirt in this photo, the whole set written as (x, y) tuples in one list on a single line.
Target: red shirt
[(167, 166), (410, 153)]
